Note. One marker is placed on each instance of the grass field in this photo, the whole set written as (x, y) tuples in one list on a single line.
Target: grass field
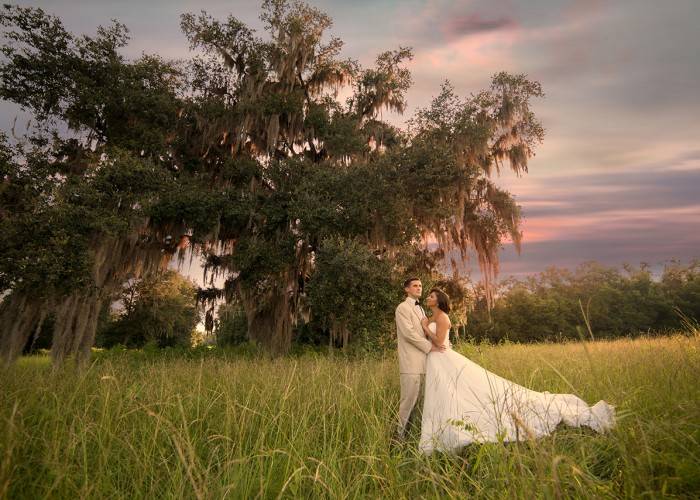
[(215, 425)]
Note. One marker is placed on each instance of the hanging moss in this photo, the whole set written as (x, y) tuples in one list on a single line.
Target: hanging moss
[(250, 162)]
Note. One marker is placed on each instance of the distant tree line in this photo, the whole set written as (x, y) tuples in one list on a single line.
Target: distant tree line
[(555, 305), (560, 304), (160, 309)]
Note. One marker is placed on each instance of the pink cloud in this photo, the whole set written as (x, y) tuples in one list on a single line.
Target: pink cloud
[(450, 34), (610, 223), (490, 50)]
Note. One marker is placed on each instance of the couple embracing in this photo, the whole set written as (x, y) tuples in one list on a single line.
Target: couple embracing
[(465, 403)]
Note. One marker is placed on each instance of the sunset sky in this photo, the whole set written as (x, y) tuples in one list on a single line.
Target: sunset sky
[(617, 178)]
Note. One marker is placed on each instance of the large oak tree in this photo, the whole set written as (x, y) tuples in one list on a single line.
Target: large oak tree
[(246, 155)]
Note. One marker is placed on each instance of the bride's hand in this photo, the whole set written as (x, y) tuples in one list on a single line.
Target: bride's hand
[(438, 348), (424, 322)]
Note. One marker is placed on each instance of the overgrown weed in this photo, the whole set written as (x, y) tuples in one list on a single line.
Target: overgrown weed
[(217, 423)]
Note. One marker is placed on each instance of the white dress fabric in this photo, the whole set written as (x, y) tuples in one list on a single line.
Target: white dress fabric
[(465, 403)]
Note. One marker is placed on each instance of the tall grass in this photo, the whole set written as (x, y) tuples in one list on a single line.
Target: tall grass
[(135, 426)]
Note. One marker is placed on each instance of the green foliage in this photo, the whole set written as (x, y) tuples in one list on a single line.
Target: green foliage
[(189, 206), (51, 220), (351, 296), (383, 87), (86, 83), (262, 267), (62, 197), (555, 304), (334, 201), (158, 310), (232, 325), (680, 285), (342, 136)]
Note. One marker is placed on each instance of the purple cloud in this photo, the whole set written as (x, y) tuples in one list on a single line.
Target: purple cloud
[(475, 24)]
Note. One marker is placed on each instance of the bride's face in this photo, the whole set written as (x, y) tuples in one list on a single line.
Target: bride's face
[(432, 300)]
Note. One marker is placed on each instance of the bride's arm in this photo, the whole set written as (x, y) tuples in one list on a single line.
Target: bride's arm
[(443, 328), (431, 336)]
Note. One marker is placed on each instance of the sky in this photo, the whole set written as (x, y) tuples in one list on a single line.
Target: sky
[(617, 178)]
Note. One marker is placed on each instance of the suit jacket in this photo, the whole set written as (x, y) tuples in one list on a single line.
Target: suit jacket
[(413, 345)]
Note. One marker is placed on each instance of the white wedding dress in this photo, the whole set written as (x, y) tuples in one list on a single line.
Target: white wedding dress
[(465, 403)]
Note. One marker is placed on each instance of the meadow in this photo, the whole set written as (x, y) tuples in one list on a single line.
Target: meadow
[(211, 424)]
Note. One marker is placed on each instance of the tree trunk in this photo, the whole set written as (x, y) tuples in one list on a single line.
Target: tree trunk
[(74, 333), (270, 317), (19, 317), (114, 260)]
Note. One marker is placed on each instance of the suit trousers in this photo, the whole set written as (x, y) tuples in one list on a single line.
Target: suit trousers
[(410, 390)]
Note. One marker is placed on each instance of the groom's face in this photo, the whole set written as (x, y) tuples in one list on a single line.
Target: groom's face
[(414, 289)]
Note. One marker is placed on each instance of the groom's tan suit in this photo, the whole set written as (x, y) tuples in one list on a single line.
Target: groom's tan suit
[(413, 352)]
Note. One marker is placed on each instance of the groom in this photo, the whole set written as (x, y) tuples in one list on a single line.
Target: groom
[(413, 350)]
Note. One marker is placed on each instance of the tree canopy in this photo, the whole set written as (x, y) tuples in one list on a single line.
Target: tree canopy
[(243, 155)]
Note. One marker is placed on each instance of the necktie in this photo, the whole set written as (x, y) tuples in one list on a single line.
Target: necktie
[(421, 314)]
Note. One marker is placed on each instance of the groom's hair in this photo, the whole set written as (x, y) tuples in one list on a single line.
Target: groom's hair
[(407, 283)]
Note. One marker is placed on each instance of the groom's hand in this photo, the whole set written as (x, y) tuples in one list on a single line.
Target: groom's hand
[(438, 348)]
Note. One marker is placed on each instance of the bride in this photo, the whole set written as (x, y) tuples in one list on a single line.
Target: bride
[(464, 403)]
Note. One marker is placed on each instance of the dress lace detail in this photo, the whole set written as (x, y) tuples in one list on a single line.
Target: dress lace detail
[(465, 403)]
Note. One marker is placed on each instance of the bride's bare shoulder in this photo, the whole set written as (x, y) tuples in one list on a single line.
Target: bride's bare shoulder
[(443, 319)]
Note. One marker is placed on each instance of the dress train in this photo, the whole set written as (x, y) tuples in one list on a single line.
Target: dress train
[(465, 403)]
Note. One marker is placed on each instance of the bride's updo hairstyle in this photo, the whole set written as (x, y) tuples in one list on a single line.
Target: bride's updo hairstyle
[(443, 300)]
